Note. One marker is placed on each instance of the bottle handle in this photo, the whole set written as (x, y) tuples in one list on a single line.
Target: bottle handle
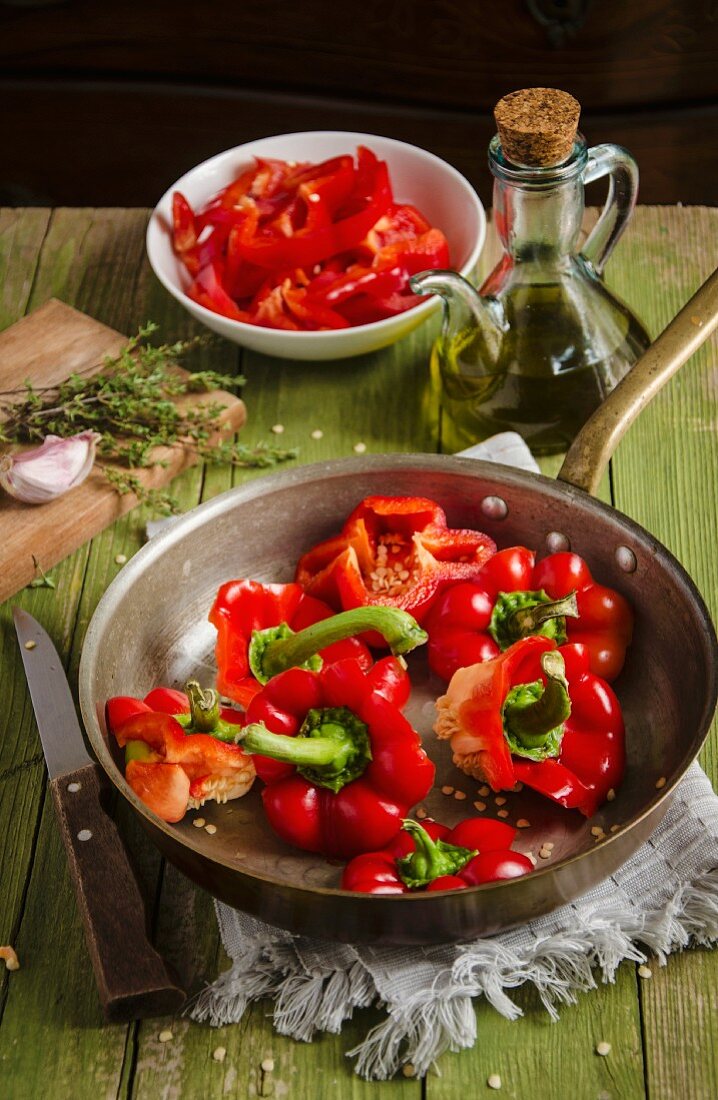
[(617, 163)]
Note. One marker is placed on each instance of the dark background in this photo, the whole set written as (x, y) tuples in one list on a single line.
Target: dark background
[(107, 103)]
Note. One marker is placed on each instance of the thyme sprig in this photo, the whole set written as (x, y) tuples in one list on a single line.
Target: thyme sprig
[(131, 404)]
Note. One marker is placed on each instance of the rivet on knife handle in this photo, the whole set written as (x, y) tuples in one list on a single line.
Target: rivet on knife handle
[(132, 979)]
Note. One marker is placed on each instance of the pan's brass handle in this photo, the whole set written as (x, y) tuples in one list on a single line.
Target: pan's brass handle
[(592, 448)]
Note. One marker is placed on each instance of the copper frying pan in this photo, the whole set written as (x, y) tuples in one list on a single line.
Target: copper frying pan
[(151, 627)]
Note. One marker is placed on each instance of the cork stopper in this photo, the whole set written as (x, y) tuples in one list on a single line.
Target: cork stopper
[(537, 126)]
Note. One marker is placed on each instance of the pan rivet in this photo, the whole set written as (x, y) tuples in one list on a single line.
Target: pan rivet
[(626, 559), (73, 788), (556, 542), (84, 834), (495, 507)]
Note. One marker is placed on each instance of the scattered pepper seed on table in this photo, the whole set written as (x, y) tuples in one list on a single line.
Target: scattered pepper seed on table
[(30, 645), (603, 1049), (199, 823), (494, 1081), (211, 829), (661, 782), (522, 823), (480, 806)]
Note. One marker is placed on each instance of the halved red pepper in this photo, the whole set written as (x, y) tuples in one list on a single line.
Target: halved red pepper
[(342, 765), (392, 552), (263, 629), (538, 715), (173, 770), (513, 597), (432, 857)]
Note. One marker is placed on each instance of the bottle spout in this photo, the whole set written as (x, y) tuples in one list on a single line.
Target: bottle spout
[(463, 306)]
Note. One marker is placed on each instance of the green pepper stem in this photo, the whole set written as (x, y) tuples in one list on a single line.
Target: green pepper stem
[(431, 858), (331, 749), (527, 620), (203, 706), (314, 752), (270, 655), (532, 721)]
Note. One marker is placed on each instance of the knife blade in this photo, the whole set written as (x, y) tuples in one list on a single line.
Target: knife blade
[(133, 980)]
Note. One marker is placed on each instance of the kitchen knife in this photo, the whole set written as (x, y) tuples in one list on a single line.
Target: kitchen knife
[(132, 979)]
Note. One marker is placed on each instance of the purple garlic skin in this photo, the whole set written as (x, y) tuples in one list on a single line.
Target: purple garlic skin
[(51, 470)]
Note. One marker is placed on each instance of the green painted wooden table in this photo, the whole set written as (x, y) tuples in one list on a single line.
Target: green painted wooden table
[(663, 1032)]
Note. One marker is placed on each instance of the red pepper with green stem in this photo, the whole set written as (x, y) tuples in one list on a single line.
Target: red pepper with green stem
[(538, 715), (432, 857), (513, 597), (263, 629), (342, 765), (392, 552), (176, 762)]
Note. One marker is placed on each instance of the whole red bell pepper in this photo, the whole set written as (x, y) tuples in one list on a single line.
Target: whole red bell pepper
[(263, 629), (513, 597), (177, 761), (538, 715), (341, 764), (392, 552), (430, 856)]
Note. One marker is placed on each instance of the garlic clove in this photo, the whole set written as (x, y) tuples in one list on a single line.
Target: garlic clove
[(49, 471)]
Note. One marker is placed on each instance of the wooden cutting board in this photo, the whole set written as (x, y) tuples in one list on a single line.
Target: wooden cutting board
[(45, 347)]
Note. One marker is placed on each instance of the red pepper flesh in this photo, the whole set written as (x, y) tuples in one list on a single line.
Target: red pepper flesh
[(591, 757), (394, 552)]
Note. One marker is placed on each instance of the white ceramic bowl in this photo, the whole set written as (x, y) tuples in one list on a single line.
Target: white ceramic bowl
[(438, 190)]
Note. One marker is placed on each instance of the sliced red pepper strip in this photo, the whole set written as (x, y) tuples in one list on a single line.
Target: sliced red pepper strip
[(185, 230), (590, 756), (407, 538), (465, 622), (364, 808)]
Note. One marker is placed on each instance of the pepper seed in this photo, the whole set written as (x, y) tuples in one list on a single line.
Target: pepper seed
[(421, 813), (494, 1081), (503, 813), (480, 806), (596, 830), (522, 823), (645, 971), (408, 1070), (603, 1049), (219, 1054), (447, 790), (484, 791), (611, 795), (359, 448), (317, 433), (268, 1065), (120, 559), (30, 645), (165, 1036), (459, 795), (548, 845), (278, 429), (500, 801), (211, 829), (198, 823), (661, 782), (615, 828), (543, 854)]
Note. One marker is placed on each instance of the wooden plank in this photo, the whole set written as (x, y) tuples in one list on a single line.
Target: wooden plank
[(54, 1000), (664, 476)]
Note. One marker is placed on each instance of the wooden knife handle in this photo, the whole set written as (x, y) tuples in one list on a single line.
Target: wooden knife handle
[(132, 978)]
